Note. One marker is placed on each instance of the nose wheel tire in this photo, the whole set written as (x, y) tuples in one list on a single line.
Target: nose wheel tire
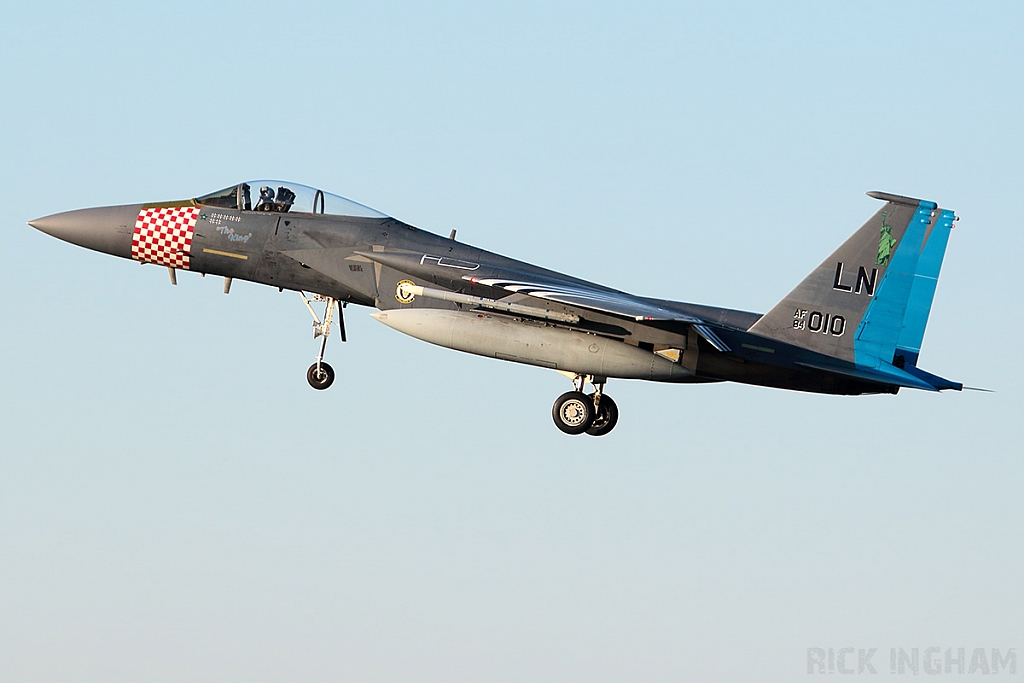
[(320, 378), (606, 418), (573, 412)]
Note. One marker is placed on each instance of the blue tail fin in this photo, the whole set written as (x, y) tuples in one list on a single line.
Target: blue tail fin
[(922, 292), (868, 303), (894, 322)]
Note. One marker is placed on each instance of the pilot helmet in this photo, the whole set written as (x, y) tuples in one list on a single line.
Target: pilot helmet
[(266, 194)]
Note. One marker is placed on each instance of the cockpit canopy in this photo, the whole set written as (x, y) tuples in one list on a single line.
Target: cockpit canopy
[(284, 197)]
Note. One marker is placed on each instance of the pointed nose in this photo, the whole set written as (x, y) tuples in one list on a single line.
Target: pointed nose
[(107, 229)]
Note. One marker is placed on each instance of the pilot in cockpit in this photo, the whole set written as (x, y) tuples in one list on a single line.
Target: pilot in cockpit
[(266, 202)]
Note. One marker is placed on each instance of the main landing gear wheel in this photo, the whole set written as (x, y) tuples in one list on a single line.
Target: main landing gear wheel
[(578, 413), (320, 377), (606, 417), (573, 412)]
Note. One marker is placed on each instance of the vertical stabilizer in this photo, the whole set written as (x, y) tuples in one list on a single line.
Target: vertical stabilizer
[(853, 305), (922, 292)]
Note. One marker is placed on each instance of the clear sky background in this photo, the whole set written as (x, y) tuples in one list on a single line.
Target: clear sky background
[(176, 504)]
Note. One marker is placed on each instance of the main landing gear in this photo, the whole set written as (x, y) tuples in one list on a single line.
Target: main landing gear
[(321, 375), (575, 412)]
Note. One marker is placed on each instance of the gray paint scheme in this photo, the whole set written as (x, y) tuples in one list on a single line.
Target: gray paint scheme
[(533, 343), (107, 229), (361, 260), (818, 291)]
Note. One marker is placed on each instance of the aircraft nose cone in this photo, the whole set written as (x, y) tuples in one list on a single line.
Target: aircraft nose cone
[(107, 229), (57, 225)]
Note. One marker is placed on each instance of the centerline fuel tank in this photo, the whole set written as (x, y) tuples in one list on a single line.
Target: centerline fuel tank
[(532, 343)]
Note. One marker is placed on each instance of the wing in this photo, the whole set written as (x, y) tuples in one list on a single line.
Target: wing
[(547, 286), (582, 296), (602, 300)]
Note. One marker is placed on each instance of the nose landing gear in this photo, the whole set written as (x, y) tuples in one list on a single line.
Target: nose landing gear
[(321, 375), (575, 412)]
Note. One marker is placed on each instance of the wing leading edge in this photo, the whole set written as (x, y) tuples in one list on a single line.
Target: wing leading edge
[(603, 301)]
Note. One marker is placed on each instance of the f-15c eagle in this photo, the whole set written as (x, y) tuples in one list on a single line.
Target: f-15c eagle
[(853, 326)]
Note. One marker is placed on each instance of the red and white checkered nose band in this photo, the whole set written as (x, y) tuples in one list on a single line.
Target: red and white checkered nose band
[(164, 236)]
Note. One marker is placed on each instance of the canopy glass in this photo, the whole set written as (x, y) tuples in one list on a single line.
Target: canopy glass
[(284, 197)]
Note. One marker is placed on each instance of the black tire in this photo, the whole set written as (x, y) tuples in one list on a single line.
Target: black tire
[(573, 412), (320, 380), (606, 418)]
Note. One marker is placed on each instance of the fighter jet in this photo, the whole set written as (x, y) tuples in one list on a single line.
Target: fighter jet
[(853, 326)]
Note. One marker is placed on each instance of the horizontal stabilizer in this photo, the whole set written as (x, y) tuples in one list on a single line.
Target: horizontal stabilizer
[(939, 383), (907, 376), (888, 374)]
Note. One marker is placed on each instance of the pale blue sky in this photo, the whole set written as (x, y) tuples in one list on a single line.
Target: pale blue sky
[(177, 504)]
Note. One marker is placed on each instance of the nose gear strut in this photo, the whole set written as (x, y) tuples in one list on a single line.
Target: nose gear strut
[(321, 375)]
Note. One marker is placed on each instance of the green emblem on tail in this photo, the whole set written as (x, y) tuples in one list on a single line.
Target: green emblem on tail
[(886, 244)]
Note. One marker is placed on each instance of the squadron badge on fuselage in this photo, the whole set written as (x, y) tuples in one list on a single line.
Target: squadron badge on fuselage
[(402, 292)]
